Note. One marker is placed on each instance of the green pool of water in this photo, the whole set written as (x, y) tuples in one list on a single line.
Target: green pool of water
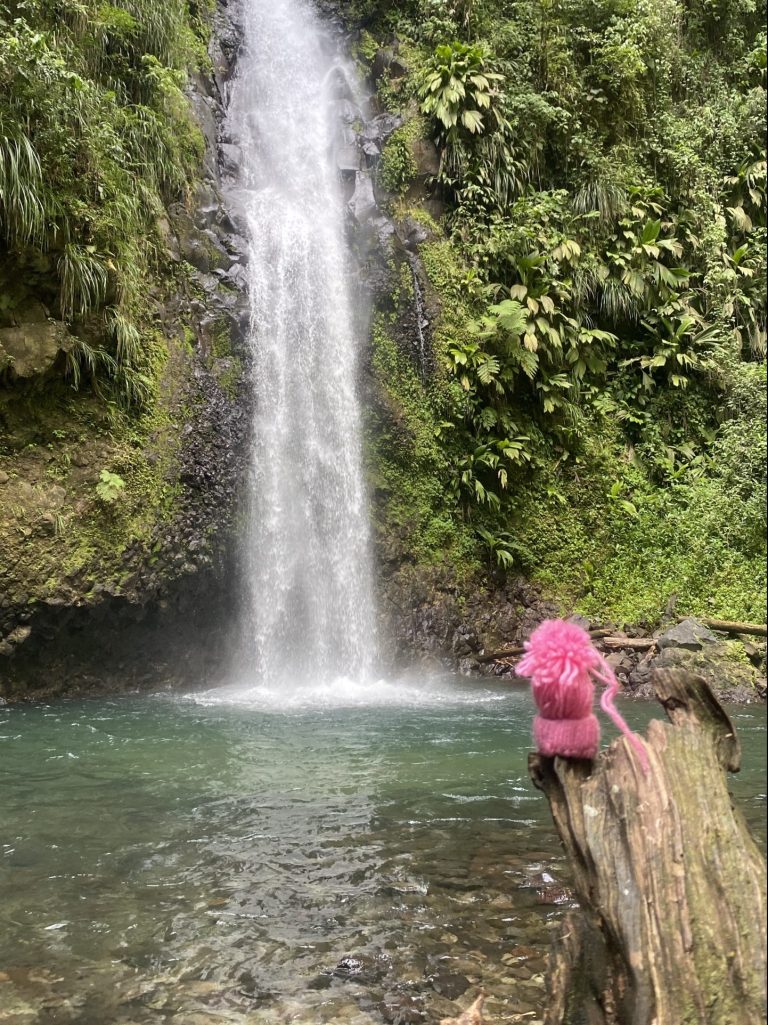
[(215, 859)]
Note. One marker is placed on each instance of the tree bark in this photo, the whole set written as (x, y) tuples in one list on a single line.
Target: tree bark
[(672, 888)]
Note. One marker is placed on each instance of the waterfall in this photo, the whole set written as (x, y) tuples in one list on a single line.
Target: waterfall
[(309, 604)]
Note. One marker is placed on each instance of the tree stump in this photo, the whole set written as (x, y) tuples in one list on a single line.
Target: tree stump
[(672, 887)]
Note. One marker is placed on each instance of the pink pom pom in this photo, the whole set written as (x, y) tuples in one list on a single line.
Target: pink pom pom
[(558, 653), (561, 662)]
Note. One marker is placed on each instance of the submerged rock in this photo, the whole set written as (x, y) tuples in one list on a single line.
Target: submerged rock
[(400, 1009), (450, 986)]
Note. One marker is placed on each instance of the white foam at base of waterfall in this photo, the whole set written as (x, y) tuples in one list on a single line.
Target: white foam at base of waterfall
[(343, 692)]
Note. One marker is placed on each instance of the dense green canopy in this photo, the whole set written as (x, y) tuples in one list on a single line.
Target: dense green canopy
[(603, 166)]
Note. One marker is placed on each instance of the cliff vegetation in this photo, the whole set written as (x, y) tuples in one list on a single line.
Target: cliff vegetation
[(593, 235), (119, 423)]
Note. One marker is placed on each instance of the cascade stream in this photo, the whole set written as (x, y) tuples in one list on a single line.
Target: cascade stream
[(309, 602)]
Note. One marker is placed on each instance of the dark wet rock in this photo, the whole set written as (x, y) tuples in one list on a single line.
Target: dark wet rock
[(429, 613), (371, 150), (639, 680), (204, 109), (623, 664), (426, 158), (364, 970), (231, 159), (381, 128), (227, 41), (450, 986), (413, 234), (690, 634), (756, 653), (465, 641), (236, 277), (349, 967), (381, 63), (201, 248), (582, 621), (207, 206)]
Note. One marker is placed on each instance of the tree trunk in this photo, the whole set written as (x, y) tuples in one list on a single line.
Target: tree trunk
[(672, 888)]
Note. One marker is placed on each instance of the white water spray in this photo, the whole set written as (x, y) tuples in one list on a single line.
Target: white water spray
[(310, 592)]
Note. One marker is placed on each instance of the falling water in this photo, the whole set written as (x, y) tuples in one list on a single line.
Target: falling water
[(307, 552)]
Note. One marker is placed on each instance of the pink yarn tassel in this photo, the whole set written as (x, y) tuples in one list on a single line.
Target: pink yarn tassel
[(608, 678)]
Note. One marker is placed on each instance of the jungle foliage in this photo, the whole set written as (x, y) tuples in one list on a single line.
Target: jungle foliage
[(603, 167), (96, 135)]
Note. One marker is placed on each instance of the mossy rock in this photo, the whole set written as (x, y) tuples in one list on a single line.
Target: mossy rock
[(724, 666)]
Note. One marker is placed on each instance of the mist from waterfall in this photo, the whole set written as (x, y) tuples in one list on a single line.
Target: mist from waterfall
[(309, 597)]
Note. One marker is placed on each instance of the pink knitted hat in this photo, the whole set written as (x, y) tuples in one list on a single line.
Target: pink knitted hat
[(561, 661)]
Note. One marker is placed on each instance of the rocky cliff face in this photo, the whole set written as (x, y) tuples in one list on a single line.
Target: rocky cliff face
[(116, 527)]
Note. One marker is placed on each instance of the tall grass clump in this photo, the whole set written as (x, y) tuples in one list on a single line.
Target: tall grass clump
[(96, 136)]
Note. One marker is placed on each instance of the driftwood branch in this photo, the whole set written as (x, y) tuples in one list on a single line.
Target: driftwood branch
[(630, 643), (726, 626), (671, 885), (498, 656)]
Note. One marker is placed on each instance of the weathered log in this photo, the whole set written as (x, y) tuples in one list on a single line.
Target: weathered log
[(672, 888), (498, 656), (630, 643), (725, 626)]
